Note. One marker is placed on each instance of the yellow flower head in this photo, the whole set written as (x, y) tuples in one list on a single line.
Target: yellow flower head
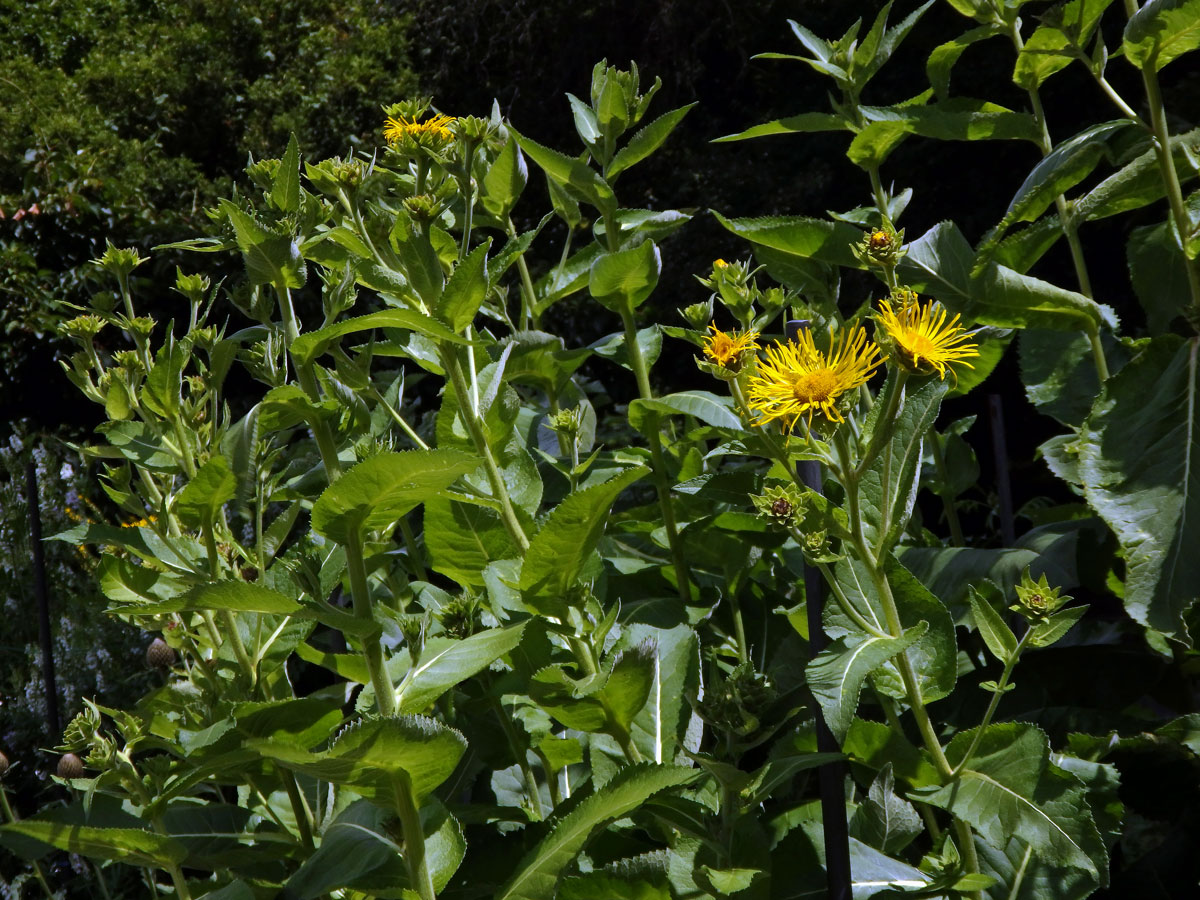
[(720, 264), (921, 339), (433, 133), (797, 379), (726, 350)]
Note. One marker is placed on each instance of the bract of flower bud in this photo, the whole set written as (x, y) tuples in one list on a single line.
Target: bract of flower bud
[(119, 261), (143, 326), (194, 287), (1036, 600), (82, 328)]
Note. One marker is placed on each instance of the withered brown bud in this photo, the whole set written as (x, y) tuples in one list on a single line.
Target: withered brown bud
[(3, 764), (70, 766), (159, 655), (249, 573)]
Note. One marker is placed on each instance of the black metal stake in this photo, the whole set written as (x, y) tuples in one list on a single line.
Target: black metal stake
[(831, 777), (1003, 485), (43, 599)]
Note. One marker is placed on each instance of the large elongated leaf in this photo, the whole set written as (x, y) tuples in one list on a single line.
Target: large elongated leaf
[(270, 257), (462, 538), (623, 280), (374, 756), (444, 663), (1139, 459), (1009, 789), (537, 874), (817, 239), (1162, 30), (130, 845), (704, 405), (466, 288), (381, 489), (559, 551), (648, 139), (571, 173), (801, 124), (837, 673), (889, 484), (235, 596), (309, 346), (199, 504), (957, 119)]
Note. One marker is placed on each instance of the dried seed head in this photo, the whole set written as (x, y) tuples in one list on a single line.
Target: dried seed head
[(3, 764), (159, 654), (70, 766)]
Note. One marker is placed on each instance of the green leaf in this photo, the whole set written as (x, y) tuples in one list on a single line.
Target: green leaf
[(614, 347), (621, 281), (628, 686), (1139, 458), (381, 489), (1008, 299), (1158, 270), (1047, 50), (705, 406), (199, 503), (604, 885), (1056, 626), (1059, 372), (235, 596), (939, 263), (804, 123), (1009, 790), (944, 57), (1030, 878), (308, 347), (302, 722), (561, 548), (135, 442), (1063, 168), (885, 821), (836, 674), (373, 756), (444, 663), (270, 257), (958, 119), (128, 845), (505, 181), (573, 174), (537, 875), (889, 485), (466, 289), (817, 239), (647, 139), (462, 538), (1138, 183), (1162, 30), (285, 189), (992, 628)]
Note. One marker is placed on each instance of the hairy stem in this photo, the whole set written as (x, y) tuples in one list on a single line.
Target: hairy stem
[(360, 592)]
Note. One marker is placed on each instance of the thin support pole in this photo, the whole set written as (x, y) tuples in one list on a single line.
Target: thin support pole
[(1003, 483), (43, 599)]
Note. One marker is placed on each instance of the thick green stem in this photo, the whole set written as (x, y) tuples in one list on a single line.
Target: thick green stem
[(508, 513), (969, 856), (1162, 147), (1098, 359), (883, 427), (414, 839), (844, 603), (299, 808), (320, 428), (360, 592), (239, 648), (528, 294), (642, 374)]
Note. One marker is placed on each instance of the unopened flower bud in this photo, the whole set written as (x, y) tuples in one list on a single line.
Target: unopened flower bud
[(159, 654), (70, 766)]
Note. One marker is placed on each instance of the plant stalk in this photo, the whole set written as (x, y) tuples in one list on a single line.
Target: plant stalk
[(414, 839), (641, 372), (360, 592)]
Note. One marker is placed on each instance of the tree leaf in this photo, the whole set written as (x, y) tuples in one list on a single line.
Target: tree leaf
[(558, 552), (444, 663), (285, 189), (885, 821), (1139, 458), (537, 875), (308, 347), (889, 484), (647, 139), (1009, 790), (836, 674), (382, 488), (704, 405), (570, 173), (817, 239), (804, 123), (1162, 30), (129, 845), (199, 503), (624, 279), (371, 755), (505, 181), (465, 289)]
